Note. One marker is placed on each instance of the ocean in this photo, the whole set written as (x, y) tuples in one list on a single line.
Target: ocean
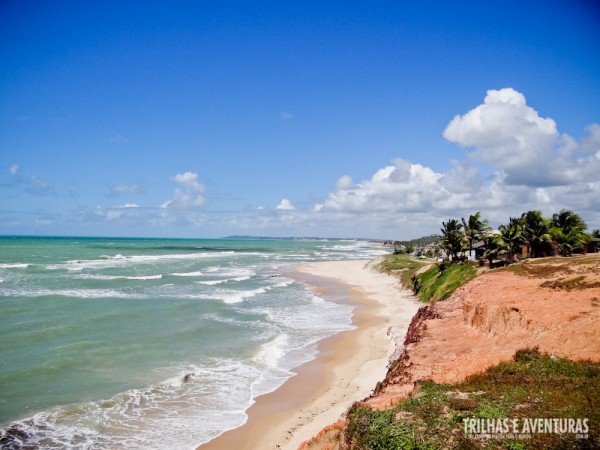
[(110, 343)]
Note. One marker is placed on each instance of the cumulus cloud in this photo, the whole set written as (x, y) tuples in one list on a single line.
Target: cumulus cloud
[(13, 169), (591, 143), (402, 185), (286, 205), (189, 195), (345, 182), (189, 180), (512, 137)]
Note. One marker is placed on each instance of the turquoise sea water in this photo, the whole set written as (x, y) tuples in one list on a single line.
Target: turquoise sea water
[(152, 343)]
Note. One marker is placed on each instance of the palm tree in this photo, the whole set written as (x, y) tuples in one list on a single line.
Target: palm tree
[(494, 246), (568, 231), (474, 228), (452, 238), (512, 235), (536, 232)]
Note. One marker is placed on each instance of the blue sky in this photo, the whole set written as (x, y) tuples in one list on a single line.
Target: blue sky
[(340, 119)]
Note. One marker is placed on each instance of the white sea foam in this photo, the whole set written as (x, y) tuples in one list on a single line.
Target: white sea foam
[(236, 272), (72, 293), (221, 281), (271, 353), (119, 260), (190, 408), (282, 284), (242, 278), (318, 315), (14, 266), (273, 373), (232, 296), (187, 274), (211, 282), (145, 277), (89, 276)]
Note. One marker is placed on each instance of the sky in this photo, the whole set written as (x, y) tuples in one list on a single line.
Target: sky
[(295, 118)]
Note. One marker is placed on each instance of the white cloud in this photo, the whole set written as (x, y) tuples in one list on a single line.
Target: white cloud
[(286, 115), (463, 178), (345, 182), (129, 205), (190, 195), (542, 195), (591, 143), (512, 137), (411, 200), (286, 205), (504, 131), (402, 186), (189, 180), (13, 169)]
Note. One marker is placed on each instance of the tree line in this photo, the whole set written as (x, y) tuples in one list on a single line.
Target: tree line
[(564, 233)]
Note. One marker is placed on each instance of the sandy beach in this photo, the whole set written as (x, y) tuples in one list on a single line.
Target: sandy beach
[(348, 365)]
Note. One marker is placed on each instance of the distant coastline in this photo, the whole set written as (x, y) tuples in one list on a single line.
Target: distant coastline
[(298, 238)]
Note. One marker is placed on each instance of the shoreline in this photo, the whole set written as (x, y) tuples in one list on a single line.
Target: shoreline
[(348, 364)]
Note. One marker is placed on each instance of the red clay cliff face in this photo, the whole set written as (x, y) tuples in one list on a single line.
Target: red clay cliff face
[(553, 304)]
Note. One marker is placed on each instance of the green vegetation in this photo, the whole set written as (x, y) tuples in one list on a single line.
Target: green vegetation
[(536, 231), (436, 283), (512, 236), (402, 266), (531, 386), (453, 238), (568, 231), (475, 229), (562, 234), (441, 280)]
